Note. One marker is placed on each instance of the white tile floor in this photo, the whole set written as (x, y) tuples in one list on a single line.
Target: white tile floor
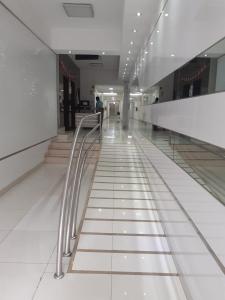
[(136, 239), (122, 233)]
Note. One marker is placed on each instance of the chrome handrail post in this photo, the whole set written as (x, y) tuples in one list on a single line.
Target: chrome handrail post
[(75, 212), (76, 202), (67, 251), (59, 273), (64, 213)]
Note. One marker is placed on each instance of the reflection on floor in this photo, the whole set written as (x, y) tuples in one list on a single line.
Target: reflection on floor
[(150, 231)]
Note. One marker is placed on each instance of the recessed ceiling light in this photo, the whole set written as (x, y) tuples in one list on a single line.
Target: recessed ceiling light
[(166, 14), (110, 94), (131, 42), (143, 59), (206, 55), (103, 53), (157, 31), (139, 14), (152, 43), (111, 89), (126, 64), (134, 30), (70, 52), (146, 52), (172, 55), (129, 52), (79, 10)]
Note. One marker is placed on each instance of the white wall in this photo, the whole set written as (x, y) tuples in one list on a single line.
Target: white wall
[(191, 27), (28, 104), (200, 117), (19, 164), (92, 77)]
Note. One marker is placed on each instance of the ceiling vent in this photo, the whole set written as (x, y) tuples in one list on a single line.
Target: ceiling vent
[(79, 10), (86, 57)]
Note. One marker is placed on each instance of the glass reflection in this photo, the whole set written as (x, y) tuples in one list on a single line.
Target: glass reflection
[(203, 75)]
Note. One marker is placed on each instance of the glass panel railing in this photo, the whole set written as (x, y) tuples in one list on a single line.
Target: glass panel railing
[(204, 162)]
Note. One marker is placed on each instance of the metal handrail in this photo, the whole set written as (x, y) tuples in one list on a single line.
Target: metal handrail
[(66, 212), (76, 202), (72, 203)]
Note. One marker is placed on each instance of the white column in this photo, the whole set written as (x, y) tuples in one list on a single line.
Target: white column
[(126, 105)]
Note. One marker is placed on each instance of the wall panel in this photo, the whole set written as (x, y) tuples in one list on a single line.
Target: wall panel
[(28, 104)]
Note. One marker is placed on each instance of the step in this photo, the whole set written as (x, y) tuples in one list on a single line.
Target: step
[(58, 152), (56, 160), (64, 160), (62, 140), (67, 147), (60, 145), (66, 153)]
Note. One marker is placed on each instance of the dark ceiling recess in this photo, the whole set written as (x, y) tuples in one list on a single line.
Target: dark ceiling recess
[(86, 57)]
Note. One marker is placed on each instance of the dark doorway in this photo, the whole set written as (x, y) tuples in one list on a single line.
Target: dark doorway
[(197, 87), (73, 104), (66, 104)]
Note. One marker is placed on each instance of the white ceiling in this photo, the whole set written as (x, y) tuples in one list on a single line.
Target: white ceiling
[(50, 13), (111, 30), (49, 21), (150, 11)]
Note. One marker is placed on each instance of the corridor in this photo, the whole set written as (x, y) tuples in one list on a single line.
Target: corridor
[(133, 209), (145, 232)]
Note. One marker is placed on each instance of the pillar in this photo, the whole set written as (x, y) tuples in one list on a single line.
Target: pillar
[(126, 105)]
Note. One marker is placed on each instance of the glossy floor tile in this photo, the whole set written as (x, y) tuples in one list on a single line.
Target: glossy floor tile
[(136, 215), (145, 287), (140, 244), (99, 213), (95, 242), (85, 261), (82, 286), (9, 218), (124, 262), (143, 263), (19, 281), (101, 203), (97, 226), (140, 204), (31, 246), (140, 187), (139, 228)]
